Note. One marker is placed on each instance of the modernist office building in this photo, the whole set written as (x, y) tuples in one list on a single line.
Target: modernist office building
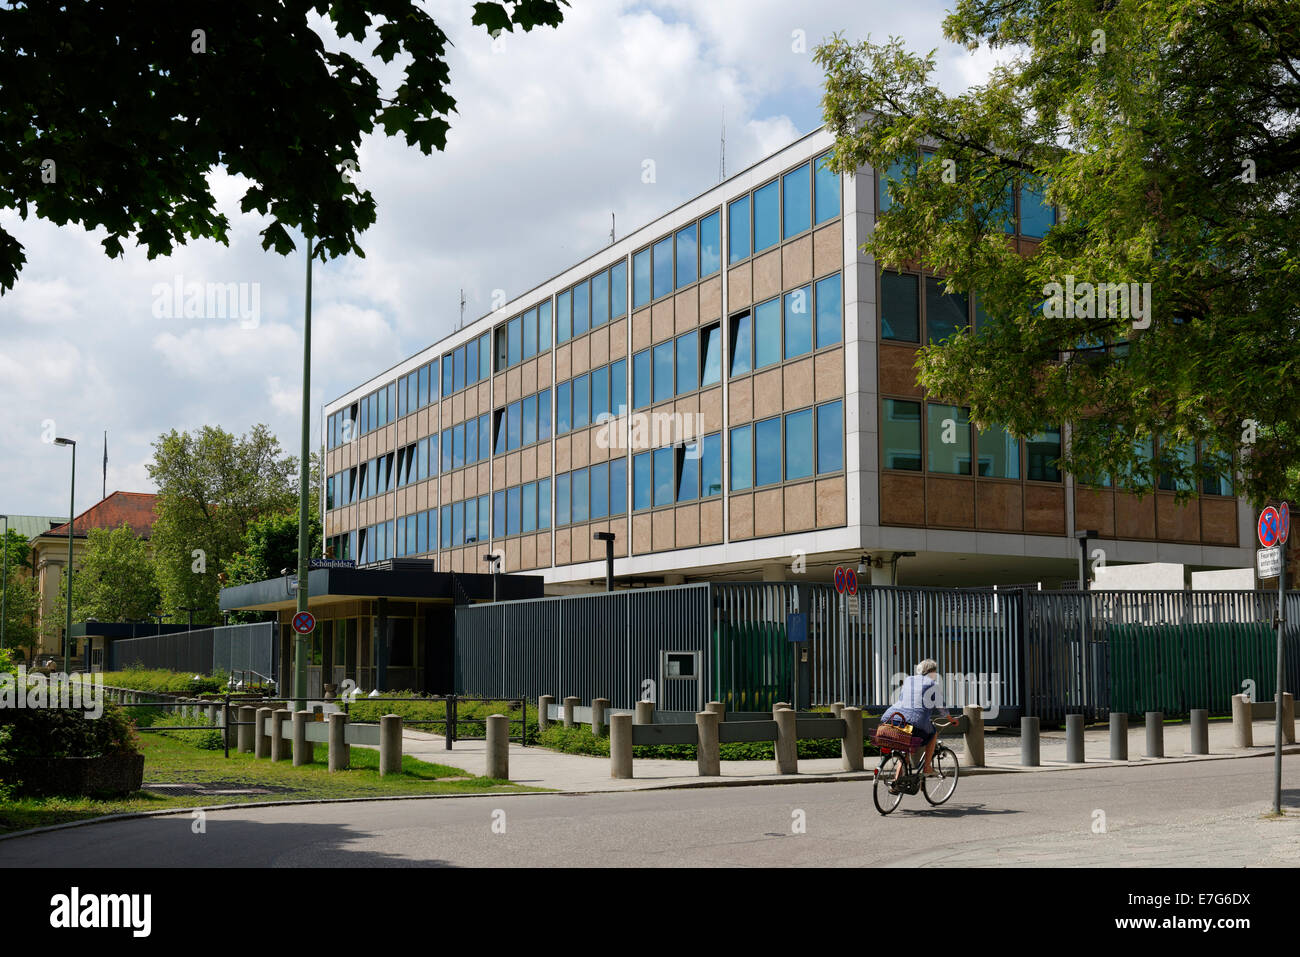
[(730, 391)]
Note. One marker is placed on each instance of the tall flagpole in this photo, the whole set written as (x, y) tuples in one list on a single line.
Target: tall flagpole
[(104, 494)]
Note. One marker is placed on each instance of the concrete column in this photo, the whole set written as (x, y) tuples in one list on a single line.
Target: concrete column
[(262, 740), (851, 744), (1118, 736), (598, 709), (1029, 752), (1074, 739), (390, 744), (1243, 733), (837, 709), (620, 746), (718, 708), (1155, 734), (1200, 743), (302, 748), (708, 755), (244, 732), (787, 748), (778, 706), (214, 714), (340, 758), (498, 747), (645, 712), (569, 704), (1288, 718), (974, 756), (544, 703), (279, 742)]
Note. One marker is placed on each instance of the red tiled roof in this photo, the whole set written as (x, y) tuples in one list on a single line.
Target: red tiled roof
[(136, 509)]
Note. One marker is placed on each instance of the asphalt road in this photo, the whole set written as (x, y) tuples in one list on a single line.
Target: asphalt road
[(1196, 814)]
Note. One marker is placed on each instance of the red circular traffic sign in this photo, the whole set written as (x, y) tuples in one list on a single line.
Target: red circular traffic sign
[(851, 581), (1284, 522), (1269, 527), (304, 622), (840, 579)]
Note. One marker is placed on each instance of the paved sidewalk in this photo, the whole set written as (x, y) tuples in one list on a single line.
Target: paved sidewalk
[(540, 767)]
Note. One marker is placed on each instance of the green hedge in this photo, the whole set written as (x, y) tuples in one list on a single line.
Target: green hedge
[(580, 740), (166, 682), (469, 714)]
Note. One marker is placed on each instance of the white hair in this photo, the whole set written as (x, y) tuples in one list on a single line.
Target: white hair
[(925, 667)]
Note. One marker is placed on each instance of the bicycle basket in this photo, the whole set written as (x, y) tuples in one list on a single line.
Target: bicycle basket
[(895, 738)]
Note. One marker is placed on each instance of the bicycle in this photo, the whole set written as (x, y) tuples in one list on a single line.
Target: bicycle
[(888, 793)]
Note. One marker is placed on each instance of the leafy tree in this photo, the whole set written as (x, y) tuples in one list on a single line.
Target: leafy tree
[(211, 487), (1168, 133), (115, 116), (115, 578), (22, 598), (270, 545)]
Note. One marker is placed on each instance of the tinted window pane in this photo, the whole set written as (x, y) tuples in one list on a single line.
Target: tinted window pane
[(999, 454), (738, 230), (711, 465), (688, 359), (544, 503), (829, 311), (530, 333), (686, 255), (530, 421), (767, 452), (798, 445), (688, 474), (513, 516), (423, 395), (530, 507), (900, 307), (663, 263), (458, 523), (484, 434), (618, 387), (600, 490), (665, 476), (830, 437), (581, 402), (618, 290), (641, 278), (446, 450), (544, 326), (901, 435), (600, 299), (471, 442), (641, 379), (948, 439), (642, 481), (712, 356), (471, 362), (741, 344), (580, 493), (514, 425), (710, 244), (458, 446), (796, 200), (894, 174), (945, 313), (742, 459), (663, 387), (618, 486), (767, 333), (827, 186), (564, 316), (544, 414), (767, 216), (484, 355), (1036, 215), (563, 421), (458, 366), (562, 499), (798, 322), (581, 308)]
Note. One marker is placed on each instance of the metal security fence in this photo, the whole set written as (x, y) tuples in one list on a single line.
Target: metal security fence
[(205, 651)]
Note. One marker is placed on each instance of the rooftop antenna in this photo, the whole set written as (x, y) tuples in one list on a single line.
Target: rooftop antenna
[(462, 310), (722, 153), (611, 229)]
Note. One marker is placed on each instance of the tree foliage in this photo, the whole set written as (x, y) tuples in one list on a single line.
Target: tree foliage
[(1168, 134), (22, 597), (116, 113), (114, 579), (270, 545)]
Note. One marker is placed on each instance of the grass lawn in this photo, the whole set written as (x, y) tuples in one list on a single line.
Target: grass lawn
[(171, 761)]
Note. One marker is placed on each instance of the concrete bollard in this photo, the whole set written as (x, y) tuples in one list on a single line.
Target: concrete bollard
[(620, 746), (214, 714), (1200, 731), (1243, 732), (544, 703), (1155, 734), (598, 708), (787, 746), (708, 753), (1029, 752), (974, 756), (1074, 739), (390, 744), (837, 708), (340, 757), (302, 748), (279, 740), (645, 712), (851, 744), (1288, 718), (569, 704), (1118, 736), (244, 732), (778, 706), (498, 747), (718, 708), (261, 737)]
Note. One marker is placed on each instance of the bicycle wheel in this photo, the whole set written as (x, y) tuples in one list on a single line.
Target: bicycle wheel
[(937, 790), (886, 800)]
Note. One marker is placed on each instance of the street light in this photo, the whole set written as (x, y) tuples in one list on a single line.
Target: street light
[(1083, 555), (608, 539), (496, 566), (72, 498), (191, 609), (4, 589)]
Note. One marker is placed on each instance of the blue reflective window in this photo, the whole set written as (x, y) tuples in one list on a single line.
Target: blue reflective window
[(422, 395), (663, 265), (529, 523), (544, 503), (502, 434), (581, 307), (618, 290), (829, 311), (642, 481), (946, 313), (710, 244), (618, 387), (618, 486), (580, 492), (738, 230), (742, 458), (796, 201), (471, 442), (458, 523), (485, 435), (383, 406), (458, 367), (401, 398), (641, 379), (544, 326), (581, 402), (564, 317), (544, 414), (1037, 216), (484, 356), (471, 362), (665, 475), (446, 450), (687, 253), (767, 216), (741, 344), (799, 445), (599, 393), (530, 421), (446, 526), (688, 362), (640, 279), (711, 465), (562, 484), (484, 527), (514, 425), (892, 175), (599, 299), (562, 408), (826, 186), (767, 333), (712, 355), (422, 537), (798, 322), (530, 333), (499, 514), (515, 341), (688, 475), (600, 490), (767, 451), (663, 376), (513, 516), (458, 446)]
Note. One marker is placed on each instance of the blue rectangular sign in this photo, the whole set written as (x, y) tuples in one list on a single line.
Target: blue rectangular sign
[(796, 626)]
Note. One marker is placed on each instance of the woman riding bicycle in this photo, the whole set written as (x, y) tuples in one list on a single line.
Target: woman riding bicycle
[(920, 698)]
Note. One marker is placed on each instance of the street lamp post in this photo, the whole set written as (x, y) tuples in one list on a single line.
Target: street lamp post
[(72, 499), (4, 589), (304, 469), (496, 565), (608, 539)]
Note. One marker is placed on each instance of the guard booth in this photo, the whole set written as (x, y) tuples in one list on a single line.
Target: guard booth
[(388, 627)]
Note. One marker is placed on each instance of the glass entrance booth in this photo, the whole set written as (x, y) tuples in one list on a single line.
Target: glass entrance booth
[(389, 627)]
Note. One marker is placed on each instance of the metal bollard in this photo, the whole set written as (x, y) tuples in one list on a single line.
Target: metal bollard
[(708, 754), (498, 747), (569, 704), (787, 746), (544, 703), (620, 746), (1155, 734), (1243, 732), (340, 757), (851, 758), (645, 712), (390, 744), (974, 756), (1029, 752), (1118, 736), (598, 709), (1074, 739), (302, 748), (1200, 730)]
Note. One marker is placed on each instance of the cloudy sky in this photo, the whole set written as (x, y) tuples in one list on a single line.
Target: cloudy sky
[(550, 136)]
